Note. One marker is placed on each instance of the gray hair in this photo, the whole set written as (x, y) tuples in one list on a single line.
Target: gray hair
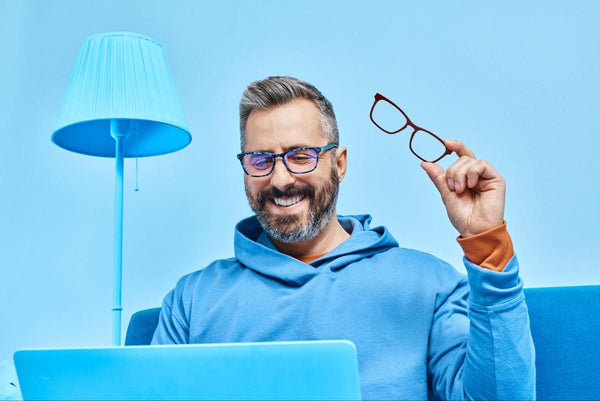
[(275, 91)]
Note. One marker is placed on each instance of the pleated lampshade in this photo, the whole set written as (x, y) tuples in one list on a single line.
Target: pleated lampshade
[(122, 76)]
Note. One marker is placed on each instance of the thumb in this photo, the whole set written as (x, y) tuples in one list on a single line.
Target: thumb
[(437, 176)]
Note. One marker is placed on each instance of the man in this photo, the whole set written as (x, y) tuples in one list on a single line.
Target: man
[(421, 329)]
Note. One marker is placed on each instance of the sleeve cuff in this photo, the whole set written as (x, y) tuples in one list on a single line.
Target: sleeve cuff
[(489, 288), (490, 249)]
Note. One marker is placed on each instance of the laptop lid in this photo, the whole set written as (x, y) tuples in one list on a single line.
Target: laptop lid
[(305, 370)]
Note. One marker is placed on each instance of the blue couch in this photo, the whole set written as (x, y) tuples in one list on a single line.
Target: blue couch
[(565, 325)]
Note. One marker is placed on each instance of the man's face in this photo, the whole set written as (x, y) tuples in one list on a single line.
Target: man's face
[(291, 207)]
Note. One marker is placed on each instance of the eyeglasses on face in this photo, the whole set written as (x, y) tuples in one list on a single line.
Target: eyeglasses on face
[(391, 119), (297, 161)]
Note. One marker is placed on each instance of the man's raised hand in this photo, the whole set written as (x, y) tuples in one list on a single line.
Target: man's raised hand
[(472, 191)]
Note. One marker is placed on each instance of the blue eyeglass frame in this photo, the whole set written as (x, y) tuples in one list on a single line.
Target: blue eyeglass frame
[(274, 156)]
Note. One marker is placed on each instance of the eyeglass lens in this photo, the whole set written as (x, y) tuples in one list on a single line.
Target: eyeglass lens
[(426, 146), (392, 120), (388, 117), (297, 161)]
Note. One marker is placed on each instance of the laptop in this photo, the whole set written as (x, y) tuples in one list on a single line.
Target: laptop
[(305, 370)]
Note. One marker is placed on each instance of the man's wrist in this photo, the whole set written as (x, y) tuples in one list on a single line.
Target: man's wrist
[(490, 249)]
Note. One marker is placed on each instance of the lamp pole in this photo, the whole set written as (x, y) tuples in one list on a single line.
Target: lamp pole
[(117, 133), (120, 78)]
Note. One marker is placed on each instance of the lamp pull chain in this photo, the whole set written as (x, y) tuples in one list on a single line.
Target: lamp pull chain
[(137, 152), (136, 175)]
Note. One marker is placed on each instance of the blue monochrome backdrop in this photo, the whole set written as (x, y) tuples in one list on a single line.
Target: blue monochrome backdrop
[(517, 81)]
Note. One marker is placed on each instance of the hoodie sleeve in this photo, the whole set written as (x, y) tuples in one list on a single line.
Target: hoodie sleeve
[(172, 325), (480, 342)]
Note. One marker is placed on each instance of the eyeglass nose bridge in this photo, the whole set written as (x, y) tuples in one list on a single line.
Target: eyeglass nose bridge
[(282, 157), (274, 156), (288, 168), (415, 128)]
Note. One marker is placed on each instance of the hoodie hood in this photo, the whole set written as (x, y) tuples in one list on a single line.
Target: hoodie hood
[(262, 257)]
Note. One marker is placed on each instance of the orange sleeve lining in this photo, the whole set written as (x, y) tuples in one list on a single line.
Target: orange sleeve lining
[(491, 249)]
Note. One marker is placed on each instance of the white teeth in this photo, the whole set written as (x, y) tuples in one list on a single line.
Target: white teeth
[(287, 202)]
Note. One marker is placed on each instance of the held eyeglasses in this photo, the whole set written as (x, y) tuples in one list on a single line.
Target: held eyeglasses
[(297, 161), (391, 119)]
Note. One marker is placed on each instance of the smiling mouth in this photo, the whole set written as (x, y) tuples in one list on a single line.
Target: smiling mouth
[(285, 202)]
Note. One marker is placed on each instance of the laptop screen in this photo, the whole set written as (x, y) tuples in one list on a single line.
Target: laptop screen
[(271, 370)]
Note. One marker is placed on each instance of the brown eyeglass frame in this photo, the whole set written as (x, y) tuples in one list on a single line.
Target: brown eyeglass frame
[(416, 128)]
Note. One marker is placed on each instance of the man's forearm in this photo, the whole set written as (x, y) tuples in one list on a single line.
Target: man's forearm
[(500, 360)]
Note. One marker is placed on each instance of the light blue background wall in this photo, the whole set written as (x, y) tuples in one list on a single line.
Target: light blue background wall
[(518, 81)]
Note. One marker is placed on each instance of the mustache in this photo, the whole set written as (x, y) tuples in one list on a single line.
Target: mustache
[(270, 193)]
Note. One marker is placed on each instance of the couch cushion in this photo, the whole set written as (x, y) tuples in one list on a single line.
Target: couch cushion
[(565, 325)]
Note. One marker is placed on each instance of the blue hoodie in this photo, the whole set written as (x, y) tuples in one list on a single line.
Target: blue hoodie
[(421, 329)]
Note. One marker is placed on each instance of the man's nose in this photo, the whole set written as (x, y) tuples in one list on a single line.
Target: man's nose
[(281, 178)]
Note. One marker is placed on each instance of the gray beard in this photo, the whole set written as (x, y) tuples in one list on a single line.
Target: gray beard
[(284, 229), (313, 227)]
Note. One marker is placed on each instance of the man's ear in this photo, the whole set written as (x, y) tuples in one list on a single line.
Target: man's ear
[(341, 162)]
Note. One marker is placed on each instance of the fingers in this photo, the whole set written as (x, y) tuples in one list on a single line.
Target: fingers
[(474, 172), (437, 176), (459, 147), (467, 173), (462, 174), (455, 177)]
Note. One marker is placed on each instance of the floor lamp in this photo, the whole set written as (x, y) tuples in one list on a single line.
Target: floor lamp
[(120, 102)]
